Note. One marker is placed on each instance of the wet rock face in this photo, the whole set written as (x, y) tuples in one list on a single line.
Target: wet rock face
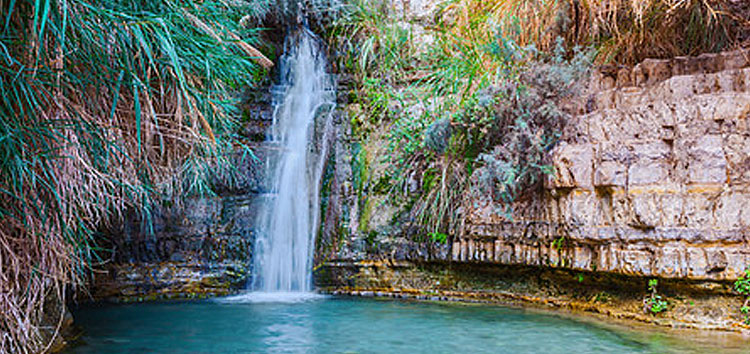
[(705, 305), (202, 246), (652, 179), (170, 280)]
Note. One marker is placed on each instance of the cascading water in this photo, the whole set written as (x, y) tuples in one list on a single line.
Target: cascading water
[(287, 225)]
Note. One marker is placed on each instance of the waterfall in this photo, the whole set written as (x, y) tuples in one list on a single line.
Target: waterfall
[(303, 104)]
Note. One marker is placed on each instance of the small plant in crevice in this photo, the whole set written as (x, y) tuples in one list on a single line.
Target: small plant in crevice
[(438, 237), (601, 297), (654, 303), (559, 245), (742, 286)]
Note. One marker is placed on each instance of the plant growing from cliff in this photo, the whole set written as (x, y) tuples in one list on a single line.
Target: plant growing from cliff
[(654, 303), (742, 286), (580, 277), (376, 50), (438, 237), (479, 98), (528, 119), (602, 297)]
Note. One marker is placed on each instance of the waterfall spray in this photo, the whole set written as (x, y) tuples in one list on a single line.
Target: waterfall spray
[(303, 106)]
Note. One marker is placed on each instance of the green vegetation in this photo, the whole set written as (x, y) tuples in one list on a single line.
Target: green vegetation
[(438, 237), (472, 99), (103, 103), (742, 286), (110, 106), (654, 303), (622, 31), (461, 104), (602, 297)]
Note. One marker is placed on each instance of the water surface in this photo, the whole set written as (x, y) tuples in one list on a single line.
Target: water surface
[(348, 325)]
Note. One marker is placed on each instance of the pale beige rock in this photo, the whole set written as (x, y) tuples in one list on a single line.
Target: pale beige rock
[(707, 162), (647, 171), (573, 166), (737, 152), (646, 211), (735, 59), (416, 10), (610, 173), (657, 182), (670, 262), (656, 70)]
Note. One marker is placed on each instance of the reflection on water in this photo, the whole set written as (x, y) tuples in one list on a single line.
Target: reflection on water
[(344, 325), (297, 335)]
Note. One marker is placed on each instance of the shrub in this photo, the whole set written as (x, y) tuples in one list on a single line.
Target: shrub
[(527, 121)]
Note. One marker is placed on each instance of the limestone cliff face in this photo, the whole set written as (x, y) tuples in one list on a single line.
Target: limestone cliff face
[(652, 179)]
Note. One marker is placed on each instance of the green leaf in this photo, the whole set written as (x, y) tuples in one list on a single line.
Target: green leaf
[(117, 94), (137, 114), (40, 35)]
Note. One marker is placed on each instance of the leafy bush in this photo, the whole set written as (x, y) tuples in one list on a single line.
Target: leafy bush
[(527, 122), (438, 134)]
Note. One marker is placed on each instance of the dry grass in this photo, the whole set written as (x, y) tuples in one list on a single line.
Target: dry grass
[(624, 31)]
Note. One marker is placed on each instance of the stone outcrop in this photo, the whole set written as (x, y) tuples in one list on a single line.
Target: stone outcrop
[(201, 246), (170, 280), (693, 304), (652, 179)]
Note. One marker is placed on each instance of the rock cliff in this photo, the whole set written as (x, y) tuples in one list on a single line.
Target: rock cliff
[(652, 179), (201, 246)]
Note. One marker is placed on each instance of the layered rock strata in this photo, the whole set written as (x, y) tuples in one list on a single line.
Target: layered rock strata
[(201, 246), (652, 179)]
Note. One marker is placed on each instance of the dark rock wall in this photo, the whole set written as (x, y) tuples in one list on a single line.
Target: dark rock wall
[(200, 246)]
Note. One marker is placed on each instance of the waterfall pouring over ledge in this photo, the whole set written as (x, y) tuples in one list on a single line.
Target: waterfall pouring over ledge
[(304, 101)]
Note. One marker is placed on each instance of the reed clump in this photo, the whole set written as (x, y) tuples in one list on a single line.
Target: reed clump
[(103, 103)]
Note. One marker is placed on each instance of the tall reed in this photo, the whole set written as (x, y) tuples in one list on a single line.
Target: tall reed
[(103, 102)]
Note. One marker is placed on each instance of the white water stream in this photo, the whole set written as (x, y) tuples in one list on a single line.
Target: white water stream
[(289, 220)]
